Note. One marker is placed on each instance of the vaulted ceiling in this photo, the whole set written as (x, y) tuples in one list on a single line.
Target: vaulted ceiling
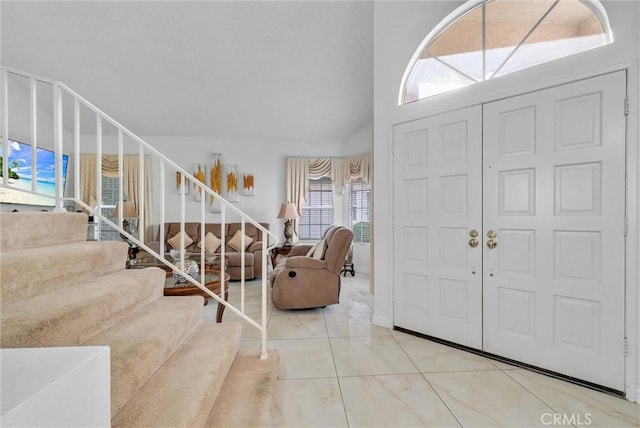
[(269, 69)]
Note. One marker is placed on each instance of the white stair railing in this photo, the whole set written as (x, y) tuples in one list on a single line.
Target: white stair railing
[(64, 106)]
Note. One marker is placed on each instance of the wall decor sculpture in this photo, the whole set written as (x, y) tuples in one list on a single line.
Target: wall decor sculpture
[(247, 184), (215, 181), (232, 183), (198, 173)]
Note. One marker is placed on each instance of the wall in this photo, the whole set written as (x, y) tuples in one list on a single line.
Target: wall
[(266, 159), (399, 28)]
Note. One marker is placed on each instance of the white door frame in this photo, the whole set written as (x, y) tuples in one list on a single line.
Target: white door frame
[(632, 270)]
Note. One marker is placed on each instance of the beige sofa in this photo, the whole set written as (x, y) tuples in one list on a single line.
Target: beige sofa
[(302, 281), (252, 255)]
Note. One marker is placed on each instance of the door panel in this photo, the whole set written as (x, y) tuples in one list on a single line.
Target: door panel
[(554, 193), (437, 275)]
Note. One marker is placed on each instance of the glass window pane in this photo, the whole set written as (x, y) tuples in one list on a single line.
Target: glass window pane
[(507, 23), (460, 44), (567, 30), (431, 77)]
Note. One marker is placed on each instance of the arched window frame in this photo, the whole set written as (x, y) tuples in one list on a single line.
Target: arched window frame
[(594, 5)]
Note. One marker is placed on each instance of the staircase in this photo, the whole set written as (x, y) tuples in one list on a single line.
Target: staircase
[(168, 369)]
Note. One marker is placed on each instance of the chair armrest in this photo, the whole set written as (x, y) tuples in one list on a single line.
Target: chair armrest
[(304, 262), (255, 246), (300, 250)]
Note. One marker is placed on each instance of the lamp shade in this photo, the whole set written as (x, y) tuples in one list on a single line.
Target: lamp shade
[(288, 211), (128, 210)]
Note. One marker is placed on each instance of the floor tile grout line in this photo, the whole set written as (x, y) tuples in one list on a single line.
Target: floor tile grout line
[(543, 401), (335, 368), (442, 400)]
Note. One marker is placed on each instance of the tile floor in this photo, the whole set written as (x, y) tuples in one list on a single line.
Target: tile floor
[(339, 370)]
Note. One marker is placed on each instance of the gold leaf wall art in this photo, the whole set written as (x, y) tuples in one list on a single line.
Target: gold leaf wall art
[(232, 183), (198, 173), (247, 184), (215, 177), (179, 184)]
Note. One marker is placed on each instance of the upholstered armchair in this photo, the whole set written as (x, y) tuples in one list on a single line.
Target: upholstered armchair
[(312, 280)]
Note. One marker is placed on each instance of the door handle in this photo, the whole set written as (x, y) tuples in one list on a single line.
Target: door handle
[(473, 242), (491, 244)]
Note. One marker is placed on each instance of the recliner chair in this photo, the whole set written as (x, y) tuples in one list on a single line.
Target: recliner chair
[(302, 281)]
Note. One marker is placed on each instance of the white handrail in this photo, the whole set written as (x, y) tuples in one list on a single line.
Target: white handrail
[(143, 148)]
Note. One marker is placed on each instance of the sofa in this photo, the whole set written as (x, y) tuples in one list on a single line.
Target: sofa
[(252, 255), (310, 276)]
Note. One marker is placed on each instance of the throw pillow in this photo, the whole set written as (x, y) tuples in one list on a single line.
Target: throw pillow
[(236, 241), (211, 243), (174, 241), (312, 249), (318, 252)]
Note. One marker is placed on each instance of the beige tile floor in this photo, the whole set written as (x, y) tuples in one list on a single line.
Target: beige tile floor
[(337, 369)]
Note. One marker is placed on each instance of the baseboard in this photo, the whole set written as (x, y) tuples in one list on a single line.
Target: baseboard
[(382, 321)]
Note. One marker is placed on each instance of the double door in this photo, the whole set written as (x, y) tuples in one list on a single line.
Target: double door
[(509, 228)]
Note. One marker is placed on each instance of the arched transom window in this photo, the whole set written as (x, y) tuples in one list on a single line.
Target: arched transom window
[(484, 39)]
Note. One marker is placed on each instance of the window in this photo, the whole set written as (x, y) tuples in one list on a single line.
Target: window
[(110, 189), (484, 39), (359, 210), (317, 211)]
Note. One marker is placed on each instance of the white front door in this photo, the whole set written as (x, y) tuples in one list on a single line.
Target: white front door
[(541, 176), (438, 194), (554, 195)]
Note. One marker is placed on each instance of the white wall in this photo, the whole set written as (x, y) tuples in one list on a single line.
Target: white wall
[(399, 28), (266, 159)]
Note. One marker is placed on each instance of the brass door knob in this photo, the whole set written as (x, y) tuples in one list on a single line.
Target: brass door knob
[(473, 233), (473, 242), (491, 234), (491, 244)]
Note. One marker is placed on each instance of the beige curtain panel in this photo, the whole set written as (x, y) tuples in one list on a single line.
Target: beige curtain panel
[(135, 191)]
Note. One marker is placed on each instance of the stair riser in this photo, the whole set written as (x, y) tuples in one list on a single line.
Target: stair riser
[(186, 387), (32, 229), (29, 273), (142, 344), (75, 314)]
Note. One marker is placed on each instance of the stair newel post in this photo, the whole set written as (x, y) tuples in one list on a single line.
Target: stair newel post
[(4, 124), (57, 140)]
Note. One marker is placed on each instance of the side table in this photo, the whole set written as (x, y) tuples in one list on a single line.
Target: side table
[(279, 251)]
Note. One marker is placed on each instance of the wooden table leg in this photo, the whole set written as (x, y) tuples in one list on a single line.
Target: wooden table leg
[(222, 307)]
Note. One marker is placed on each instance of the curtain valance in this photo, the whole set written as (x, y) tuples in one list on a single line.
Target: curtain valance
[(340, 170)]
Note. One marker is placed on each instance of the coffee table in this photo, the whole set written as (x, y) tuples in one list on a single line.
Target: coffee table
[(173, 288), (212, 283)]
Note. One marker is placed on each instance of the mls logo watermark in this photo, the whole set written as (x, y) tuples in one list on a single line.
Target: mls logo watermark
[(559, 419)]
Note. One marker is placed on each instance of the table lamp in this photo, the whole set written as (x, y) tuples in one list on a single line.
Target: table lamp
[(289, 213)]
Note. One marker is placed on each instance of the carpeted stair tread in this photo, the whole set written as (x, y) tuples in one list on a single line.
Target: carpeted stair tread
[(182, 393), (74, 314), (37, 229), (143, 342), (29, 272), (247, 396)]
